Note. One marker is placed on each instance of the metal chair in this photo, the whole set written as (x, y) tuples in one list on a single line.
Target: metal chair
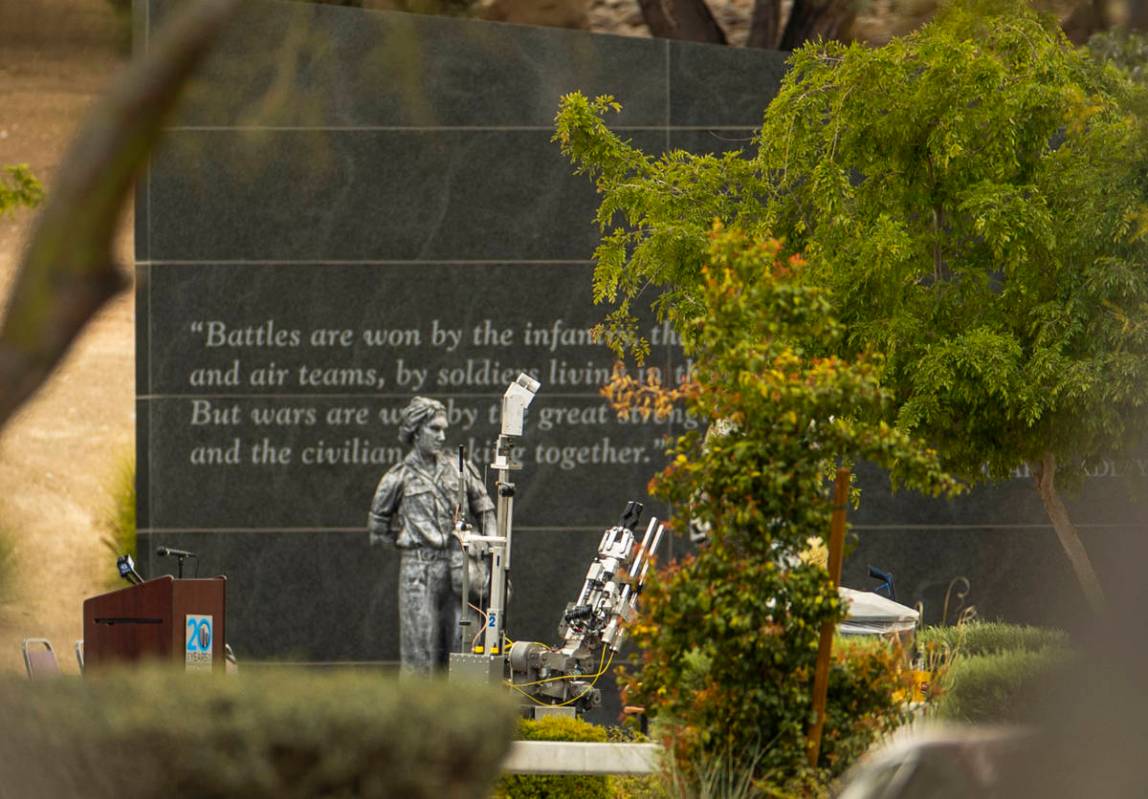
[(39, 658), (79, 647)]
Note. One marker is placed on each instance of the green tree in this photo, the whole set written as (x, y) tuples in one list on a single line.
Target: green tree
[(729, 637), (973, 198)]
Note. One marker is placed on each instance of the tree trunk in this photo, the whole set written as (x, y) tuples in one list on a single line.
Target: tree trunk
[(809, 19), (765, 24), (1044, 473), (1138, 15), (681, 19)]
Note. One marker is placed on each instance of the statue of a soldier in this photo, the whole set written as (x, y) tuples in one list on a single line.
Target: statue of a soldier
[(414, 510)]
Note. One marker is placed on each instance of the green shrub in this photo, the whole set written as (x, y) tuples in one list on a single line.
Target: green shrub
[(573, 786), (119, 522), (868, 681), (980, 638), (274, 736), (729, 636), (996, 687)]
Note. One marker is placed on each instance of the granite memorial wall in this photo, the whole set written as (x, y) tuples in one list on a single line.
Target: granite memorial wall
[(353, 207)]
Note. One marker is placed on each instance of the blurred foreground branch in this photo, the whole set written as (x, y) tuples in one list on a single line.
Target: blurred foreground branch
[(68, 271)]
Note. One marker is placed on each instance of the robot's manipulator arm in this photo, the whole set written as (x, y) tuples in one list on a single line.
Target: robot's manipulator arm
[(594, 623), (609, 595)]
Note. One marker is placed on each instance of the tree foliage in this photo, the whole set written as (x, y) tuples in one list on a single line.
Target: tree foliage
[(972, 196), (729, 636), (1126, 50)]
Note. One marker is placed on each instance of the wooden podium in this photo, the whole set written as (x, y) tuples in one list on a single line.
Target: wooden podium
[(165, 619)]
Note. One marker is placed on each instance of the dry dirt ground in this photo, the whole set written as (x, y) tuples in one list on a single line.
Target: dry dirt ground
[(59, 455)]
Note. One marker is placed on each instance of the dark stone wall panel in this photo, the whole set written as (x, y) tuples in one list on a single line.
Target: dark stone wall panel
[(143, 328), (143, 464), (335, 169), (238, 475), (370, 194), (1112, 495), (292, 596), (729, 86), (463, 324), (141, 226), (350, 68), (331, 596)]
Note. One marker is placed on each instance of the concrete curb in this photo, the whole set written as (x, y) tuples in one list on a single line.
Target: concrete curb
[(571, 757)]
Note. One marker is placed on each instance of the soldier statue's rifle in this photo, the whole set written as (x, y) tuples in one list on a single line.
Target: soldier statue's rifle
[(461, 532)]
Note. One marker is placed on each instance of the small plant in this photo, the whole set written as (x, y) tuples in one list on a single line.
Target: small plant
[(724, 776), (18, 189), (119, 522)]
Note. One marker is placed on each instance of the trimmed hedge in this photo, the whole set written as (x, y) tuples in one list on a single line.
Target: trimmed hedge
[(997, 687), (273, 736)]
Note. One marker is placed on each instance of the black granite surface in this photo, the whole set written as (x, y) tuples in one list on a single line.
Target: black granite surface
[(346, 68), (330, 596), (506, 316), (333, 171), (367, 194), (721, 86)]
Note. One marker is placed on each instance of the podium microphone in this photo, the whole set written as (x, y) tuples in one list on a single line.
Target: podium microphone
[(127, 569), (180, 554)]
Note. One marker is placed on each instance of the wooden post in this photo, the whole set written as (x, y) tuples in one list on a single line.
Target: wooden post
[(821, 672)]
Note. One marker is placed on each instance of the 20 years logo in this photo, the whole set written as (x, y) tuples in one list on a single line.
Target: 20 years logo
[(200, 634)]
